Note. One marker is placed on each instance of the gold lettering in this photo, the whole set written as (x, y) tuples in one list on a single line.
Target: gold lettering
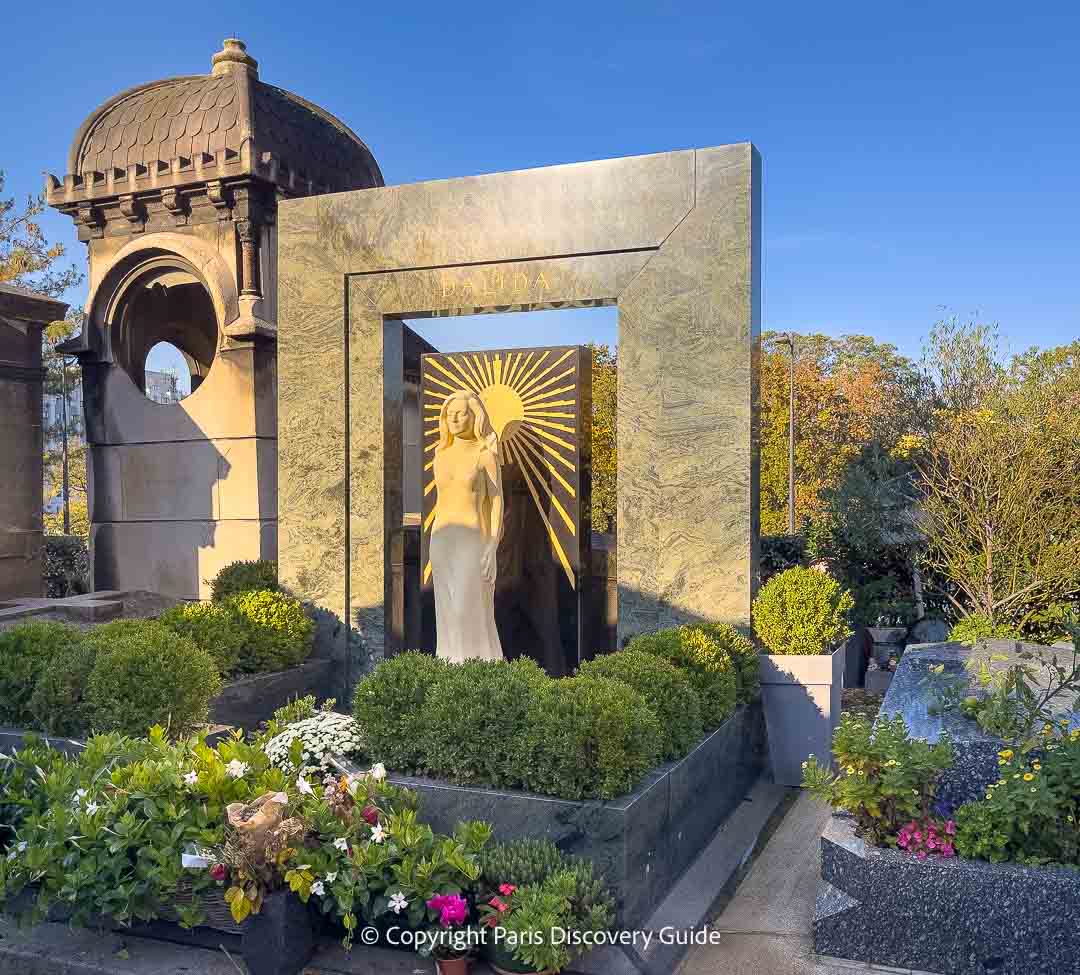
[(447, 285), (542, 283), (521, 282)]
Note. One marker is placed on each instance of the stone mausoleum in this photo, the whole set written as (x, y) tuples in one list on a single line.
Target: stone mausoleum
[(174, 187)]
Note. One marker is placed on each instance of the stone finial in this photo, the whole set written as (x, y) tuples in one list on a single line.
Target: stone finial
[(234, 57)]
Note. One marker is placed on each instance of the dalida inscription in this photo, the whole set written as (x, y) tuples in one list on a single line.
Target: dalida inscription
[(506, 527)]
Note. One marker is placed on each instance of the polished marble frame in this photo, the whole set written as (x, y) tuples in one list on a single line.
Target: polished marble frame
[(672, 239)]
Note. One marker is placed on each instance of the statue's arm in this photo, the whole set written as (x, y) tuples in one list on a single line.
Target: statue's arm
[(495, 492)]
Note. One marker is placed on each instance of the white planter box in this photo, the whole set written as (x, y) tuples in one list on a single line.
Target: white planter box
[(801, 695)]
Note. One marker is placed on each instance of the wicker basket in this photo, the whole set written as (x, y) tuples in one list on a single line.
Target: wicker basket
[(218, 915)]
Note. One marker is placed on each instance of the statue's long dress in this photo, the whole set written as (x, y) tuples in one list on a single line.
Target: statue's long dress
[(464, 601)]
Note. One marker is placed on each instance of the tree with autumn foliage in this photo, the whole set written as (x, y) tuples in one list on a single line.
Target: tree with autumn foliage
[(850, 392), (28, 260), (604, 437), (1000, 478)]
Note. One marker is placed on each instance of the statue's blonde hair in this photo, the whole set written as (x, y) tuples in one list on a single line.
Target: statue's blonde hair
[(482, 428)]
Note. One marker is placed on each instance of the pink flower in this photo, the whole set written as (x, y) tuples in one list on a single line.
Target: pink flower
[(921, 854), (950, 828), (452, 908), (506, 889), (370, 814), (499, 904), (218, 871)]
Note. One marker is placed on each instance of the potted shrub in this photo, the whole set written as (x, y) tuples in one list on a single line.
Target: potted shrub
[(450, 948), (523, 879), (801, 617)]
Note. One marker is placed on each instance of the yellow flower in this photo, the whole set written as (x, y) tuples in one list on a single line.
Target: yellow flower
[(851, 770), (1028, 776), (989, 795), (1000, 781), (1036, 766), (1006, 754), (1016, 775)]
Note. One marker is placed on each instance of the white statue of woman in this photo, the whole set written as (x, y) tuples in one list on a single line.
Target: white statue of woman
[(466, 532)]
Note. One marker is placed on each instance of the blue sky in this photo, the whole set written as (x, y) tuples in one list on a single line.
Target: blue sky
[(920, 159)]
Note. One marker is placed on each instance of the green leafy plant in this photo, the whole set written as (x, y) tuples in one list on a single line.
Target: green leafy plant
[(390, 705), (780, 552), (742, 652), (25, 650), (214, 627), (103, 830), (666, 690), (280, 633), (240, 577), (529, 862), (535, 922), (886, 779), (470, 718), (587, 737), (58, 702), (802, 611), (707, 662), (979, 626), (144, 674), (1015, 700), (65, 566), (1031, 814)]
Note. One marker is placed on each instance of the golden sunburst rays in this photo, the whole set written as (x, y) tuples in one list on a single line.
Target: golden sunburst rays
[(530, 396)]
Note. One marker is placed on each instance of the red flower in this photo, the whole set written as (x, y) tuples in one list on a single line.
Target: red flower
[(371, 815), (499, 905), (218, 871), (506, 889)]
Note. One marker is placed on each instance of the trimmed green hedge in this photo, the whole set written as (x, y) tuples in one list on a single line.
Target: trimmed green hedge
[(240, 577), (707, 663), (24, 652), (253, 633), (507, 725), (144, 674), (666, 690), (802, 611)]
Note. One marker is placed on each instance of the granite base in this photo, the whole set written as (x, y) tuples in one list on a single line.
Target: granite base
[(249, 701), (955, 917), (641, 842)]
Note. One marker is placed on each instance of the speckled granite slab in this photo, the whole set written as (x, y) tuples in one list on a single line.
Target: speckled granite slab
[(956, 917), (911, 697)]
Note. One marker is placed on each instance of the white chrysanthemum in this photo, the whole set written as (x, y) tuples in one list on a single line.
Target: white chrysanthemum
[(321, 736)]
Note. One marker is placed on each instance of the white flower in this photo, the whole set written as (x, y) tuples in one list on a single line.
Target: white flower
[(79, 795), (398, 902), (378, 772), (12, 855), (92, 808), (318, 889), (342, 844), (304, 787), (236, 769), (331, 877), (378, 834), (21, 847), (192, 777)]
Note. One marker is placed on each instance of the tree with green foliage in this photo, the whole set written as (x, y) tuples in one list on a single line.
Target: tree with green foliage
[(604, 437), (27, 259), (1000, 474)]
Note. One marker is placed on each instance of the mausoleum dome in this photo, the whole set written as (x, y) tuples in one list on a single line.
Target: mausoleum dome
[(228, 121)]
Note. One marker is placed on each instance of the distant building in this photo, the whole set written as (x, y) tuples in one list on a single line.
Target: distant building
[(163, 387)]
